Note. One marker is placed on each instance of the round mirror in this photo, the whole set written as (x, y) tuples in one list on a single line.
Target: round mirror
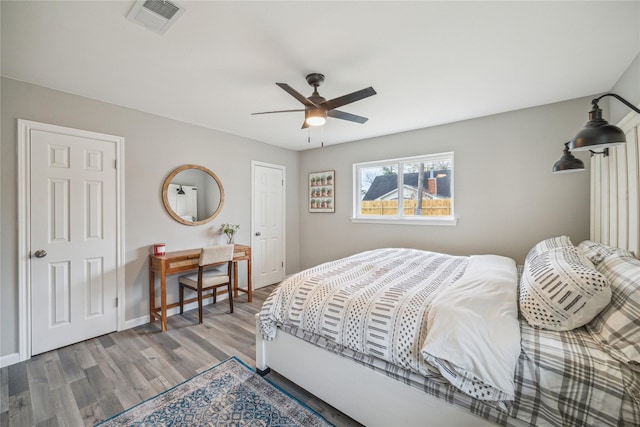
[(192, 194)]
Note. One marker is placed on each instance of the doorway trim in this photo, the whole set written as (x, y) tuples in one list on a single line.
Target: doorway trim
[(254, 164), (24, 224)]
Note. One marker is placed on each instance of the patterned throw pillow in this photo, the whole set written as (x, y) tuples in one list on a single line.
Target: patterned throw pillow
[(617, 328), (548, 244), (560, 290), (596, 252)]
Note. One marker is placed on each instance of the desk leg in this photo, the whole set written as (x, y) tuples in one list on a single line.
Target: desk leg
[(163, 300), (249, 280), (152, 296)]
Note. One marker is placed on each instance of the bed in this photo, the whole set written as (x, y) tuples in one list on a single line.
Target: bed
[(400, 336)]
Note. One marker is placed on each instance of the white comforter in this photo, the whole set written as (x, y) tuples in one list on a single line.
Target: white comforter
[(392, 304), (473, 334)]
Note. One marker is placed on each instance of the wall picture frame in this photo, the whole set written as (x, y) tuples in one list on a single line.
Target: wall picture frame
[(322, 191)]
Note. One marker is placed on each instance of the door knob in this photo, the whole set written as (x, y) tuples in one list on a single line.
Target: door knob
[(258, 233), (40, 253)]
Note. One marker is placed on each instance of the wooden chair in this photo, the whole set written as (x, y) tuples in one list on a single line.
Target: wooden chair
[(209, 278)]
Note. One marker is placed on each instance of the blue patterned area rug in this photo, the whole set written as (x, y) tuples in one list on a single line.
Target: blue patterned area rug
[(229, 394)]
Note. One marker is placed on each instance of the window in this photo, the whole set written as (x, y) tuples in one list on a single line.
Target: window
[(410, 190)]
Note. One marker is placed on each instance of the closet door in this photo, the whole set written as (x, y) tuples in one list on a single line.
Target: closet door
[(268, 224)]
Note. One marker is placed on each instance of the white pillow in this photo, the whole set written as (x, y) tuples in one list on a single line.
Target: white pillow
[(548, 244), (560, 290)]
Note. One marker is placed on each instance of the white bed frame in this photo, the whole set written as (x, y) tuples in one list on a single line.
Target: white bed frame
[(365, 395)]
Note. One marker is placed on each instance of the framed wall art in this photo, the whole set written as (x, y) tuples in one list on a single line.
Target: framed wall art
[(322, 192)]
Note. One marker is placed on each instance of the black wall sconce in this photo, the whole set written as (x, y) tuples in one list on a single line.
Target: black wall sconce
[(598, 133), (568, 163), (596, 136)]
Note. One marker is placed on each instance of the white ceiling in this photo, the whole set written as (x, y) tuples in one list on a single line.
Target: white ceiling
[(430, 62)]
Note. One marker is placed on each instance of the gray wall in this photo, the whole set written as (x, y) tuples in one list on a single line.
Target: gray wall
[(506, 197), (154, 146), (628, 87)]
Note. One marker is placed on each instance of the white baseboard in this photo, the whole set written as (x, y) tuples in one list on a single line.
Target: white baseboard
[(132, 323), (9, 359)]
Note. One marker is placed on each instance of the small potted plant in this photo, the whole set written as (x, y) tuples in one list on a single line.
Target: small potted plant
[(230, 230)]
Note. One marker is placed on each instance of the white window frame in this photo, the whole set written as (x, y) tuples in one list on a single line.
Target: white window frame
[(398, 219)]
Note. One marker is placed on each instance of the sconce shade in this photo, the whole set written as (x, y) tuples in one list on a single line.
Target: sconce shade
[(590, 138), (597, 134), (315, 116), (568, 163)]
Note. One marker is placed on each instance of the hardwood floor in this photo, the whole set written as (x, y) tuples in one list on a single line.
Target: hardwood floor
[(85, 383)]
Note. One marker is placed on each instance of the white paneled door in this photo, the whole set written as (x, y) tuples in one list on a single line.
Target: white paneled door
[(268, 224), (72, 239)]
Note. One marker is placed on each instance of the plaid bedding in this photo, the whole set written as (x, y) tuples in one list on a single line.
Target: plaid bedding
[(566, 378)]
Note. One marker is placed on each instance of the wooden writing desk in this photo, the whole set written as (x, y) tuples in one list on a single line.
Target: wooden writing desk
[(181, 262)]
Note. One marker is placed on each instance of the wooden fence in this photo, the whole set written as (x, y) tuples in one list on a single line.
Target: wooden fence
[(430, 207)]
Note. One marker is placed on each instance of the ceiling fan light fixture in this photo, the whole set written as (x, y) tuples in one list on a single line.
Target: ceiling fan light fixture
[(315, 117)]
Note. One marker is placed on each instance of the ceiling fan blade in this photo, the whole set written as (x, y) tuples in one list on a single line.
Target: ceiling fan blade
[(336, 114), (279, 111), (348, 99), (297, 95)]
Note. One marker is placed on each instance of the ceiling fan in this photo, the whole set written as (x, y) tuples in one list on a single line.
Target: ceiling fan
[(317, 108)]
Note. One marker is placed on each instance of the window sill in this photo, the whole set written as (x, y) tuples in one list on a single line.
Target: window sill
[(446, 221)]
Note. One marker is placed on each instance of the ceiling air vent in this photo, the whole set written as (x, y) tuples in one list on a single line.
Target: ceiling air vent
[(157, 15)]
